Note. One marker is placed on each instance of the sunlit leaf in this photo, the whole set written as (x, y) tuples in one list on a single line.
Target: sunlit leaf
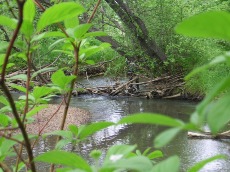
[(29, 11), (171, 164), (9, 22), (58, 13), (71, 22), (165, 137), (4, 101), (148, 118), (136, 163), (155, 154), (39, 92), (117, 152), (79, 31), (198, 166), (64, 158), (36, 110), (65, 134), (73, 129), (211, 24), (92, 128), (218, 114), (48, 69), (4, 120), (60, 79), (18, 87), (90, 62), (48, 35), (60, 144)]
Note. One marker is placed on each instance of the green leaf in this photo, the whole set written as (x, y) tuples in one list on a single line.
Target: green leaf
[(79, 31), (62, 143), (39, 92), (149, 118), (95, 34), (65, 134), (198, 166), (218, 114), (171, 164), (73, 129), (137, 163), (117, 152), (58, 13), (71, 22), (4, 120), (27, 28), (48, 69), (90, 62), (64, 158), (60, 79), (165, 137), (155, 154), (29, 11), (18, 87), (48, 35), (199, 116), (3, 47), (93, 128), (22, 77), (36, 110), (9, 22), (211, 24), (4, 101), (94, 49)]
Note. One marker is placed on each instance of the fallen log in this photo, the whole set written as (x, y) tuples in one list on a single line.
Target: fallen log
[(208, 135)]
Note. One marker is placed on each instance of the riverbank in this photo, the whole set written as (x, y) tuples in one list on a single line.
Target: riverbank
[(75, 116)]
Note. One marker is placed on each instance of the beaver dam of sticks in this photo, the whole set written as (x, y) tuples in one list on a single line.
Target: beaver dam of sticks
[(169, 87)]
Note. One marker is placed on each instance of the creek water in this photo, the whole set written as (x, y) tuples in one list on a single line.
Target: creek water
[(104, 108)]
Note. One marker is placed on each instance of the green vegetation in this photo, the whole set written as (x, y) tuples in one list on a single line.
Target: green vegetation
[(33, 32)]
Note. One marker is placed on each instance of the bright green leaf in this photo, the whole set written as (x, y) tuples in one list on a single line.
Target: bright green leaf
[(92, 128), (171, 164), (211, 24), (58, 13), (48, 69), (79, 31), (18, 87), (39, 92), (73, 129), (9, 22), (60, 144), (4, 101), (148, 118), (29, 11), (71, 22), (64, 158), (90, 62), (27, 29), (4, 120), (48, 35), (218, 114), (198, 166), (60, 79), (165, 137), (155, 154), (36, 110)]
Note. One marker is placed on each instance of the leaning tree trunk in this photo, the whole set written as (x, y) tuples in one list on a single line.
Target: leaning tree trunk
[(137, 28)]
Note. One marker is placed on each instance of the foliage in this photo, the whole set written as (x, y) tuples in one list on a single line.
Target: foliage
[(71, 38)]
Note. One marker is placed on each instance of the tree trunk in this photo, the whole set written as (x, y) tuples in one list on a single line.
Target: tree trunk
[(137, 29)]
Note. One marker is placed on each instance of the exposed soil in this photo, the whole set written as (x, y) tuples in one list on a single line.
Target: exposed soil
[(75, 116)]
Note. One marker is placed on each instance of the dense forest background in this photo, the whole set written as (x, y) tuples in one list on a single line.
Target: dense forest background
[(142, 38)]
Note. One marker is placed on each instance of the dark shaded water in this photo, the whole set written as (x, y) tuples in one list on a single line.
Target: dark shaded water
[(113, 109)]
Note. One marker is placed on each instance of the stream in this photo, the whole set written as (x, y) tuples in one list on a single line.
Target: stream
[(104, 108)]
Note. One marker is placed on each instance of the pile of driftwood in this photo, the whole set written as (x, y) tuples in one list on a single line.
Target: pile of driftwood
[(140, 86)]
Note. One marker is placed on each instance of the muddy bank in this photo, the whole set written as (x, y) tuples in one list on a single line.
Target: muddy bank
[(75, 116)]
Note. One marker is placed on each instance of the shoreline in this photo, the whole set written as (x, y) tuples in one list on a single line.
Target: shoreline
[(75, 116)]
